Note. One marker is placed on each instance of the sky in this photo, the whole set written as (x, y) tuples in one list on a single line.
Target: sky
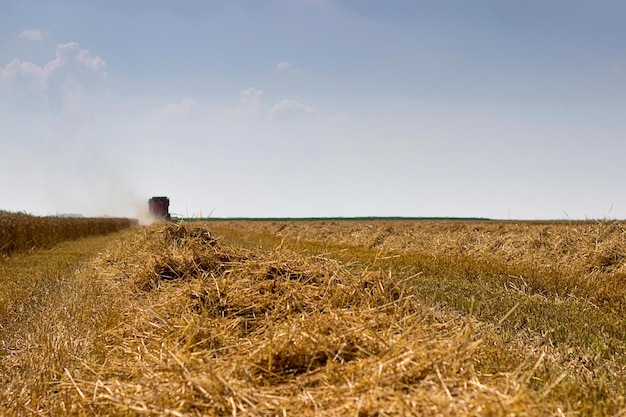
[(509, 109)]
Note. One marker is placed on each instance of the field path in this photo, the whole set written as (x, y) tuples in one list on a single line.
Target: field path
[(49, 315)]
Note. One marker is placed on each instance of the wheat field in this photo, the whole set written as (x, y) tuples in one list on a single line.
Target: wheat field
[(19, 231), (327, 318)]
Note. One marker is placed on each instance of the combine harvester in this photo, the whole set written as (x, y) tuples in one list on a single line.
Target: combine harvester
[(160, 208)]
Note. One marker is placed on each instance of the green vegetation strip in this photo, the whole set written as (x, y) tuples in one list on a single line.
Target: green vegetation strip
[(316, 219)]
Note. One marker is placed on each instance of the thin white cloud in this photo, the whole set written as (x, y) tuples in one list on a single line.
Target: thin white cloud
[(179, 108), (252, 104), (288, 109), (72, 52), (34, 35), (62, 82), (285, 66), (250, 101), (67, 55), (17, 67)]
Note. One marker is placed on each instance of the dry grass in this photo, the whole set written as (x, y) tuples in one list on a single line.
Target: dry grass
[(218, 330), (22, 231), (585, 260), (590, 247), (565, 305), (50, 313), (171, 321)]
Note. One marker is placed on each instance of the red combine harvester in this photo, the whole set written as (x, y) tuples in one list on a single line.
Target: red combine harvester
[(159, 208)]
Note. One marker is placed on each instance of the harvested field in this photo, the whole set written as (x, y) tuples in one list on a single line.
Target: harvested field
[(592, 247), (294, 319)]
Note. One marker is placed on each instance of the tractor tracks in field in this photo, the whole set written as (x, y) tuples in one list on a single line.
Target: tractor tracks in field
[(49, 306)]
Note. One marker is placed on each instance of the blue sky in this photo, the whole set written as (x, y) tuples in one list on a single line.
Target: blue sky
[(502, 109)]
